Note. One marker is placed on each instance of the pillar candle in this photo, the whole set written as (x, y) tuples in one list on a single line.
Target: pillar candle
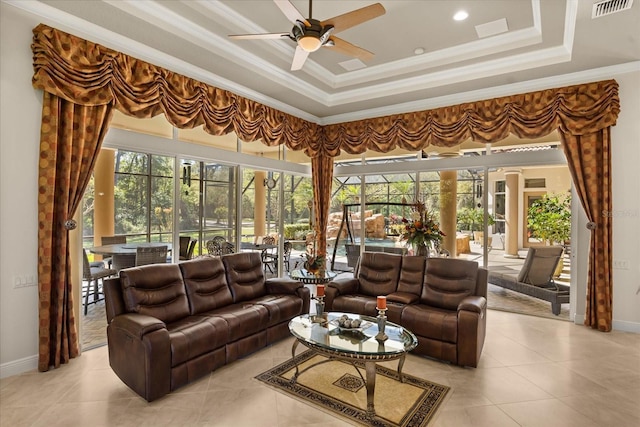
[(382, 303), (320, 290)]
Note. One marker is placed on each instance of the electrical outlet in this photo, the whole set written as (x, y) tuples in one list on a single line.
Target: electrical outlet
[(23, 281), (621, 264)]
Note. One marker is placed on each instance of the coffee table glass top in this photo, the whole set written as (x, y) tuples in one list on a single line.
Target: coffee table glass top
[(358, 341)]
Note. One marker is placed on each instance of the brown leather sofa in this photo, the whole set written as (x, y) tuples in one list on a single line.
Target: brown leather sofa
[(169, 324), (443, 301)]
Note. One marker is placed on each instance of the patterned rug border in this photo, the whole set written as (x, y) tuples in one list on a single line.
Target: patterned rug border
[(419, 415)]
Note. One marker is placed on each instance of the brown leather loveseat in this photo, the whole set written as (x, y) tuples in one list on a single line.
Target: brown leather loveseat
[(442, 301), (169, 324)]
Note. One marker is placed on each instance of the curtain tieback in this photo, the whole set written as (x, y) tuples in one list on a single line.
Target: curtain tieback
[(592, 225), (70, 224)]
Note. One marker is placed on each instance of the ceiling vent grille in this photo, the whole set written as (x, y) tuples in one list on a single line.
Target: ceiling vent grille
[(608, 7)]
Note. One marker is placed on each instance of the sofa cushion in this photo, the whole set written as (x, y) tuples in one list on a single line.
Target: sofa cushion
[(194, 336), (354, 303), (281, 307), (242, 319), (156, 290), (206, 284), (378, 273), (244, 275), (431, 322), (448, 281), (412, 275)]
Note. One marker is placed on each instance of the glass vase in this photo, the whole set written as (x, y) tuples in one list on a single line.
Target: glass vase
[(420, 249)]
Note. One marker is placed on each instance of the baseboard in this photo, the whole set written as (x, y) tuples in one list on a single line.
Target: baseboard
[(19, 366), (622, 325), (618, 325)]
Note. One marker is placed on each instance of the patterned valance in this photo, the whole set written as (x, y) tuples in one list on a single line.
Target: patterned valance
[(578, 110), (89, 74)]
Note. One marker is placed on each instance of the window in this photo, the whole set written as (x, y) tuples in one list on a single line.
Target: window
[(143, 196), (535, 183)]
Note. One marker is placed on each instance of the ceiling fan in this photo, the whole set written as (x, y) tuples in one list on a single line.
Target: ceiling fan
[(311, 34)]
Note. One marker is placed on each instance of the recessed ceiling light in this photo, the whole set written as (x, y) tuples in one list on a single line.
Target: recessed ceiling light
[(418, 50), (461, 15)]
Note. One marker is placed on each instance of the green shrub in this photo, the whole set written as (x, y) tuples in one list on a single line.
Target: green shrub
[(549, 219), (296, 231)]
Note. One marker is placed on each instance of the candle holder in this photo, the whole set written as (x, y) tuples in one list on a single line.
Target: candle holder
[(382, 322), (319, 318)]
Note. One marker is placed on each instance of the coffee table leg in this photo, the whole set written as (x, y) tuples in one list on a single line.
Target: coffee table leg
[(371, 386), (400, 365), (293, 356)]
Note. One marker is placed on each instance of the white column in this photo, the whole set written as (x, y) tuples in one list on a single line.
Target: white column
[(512, 228)]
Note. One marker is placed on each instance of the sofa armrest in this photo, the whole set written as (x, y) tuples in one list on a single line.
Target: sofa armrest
[(140, 354), (137, 325), (473, 303), (472, 326), (339, 287), (282, 285), (345, 286)]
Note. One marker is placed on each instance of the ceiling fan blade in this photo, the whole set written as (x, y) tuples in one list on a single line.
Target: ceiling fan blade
[(259, 36), (299, 58), (290, 11), (346, 48), (355, 17)]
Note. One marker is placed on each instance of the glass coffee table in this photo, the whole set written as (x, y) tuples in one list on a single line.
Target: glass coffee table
[(322, 335)]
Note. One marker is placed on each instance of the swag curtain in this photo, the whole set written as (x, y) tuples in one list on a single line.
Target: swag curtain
[(70, 139), (88, 74)]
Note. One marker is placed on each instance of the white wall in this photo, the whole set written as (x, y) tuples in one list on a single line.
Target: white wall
[(20, 109), (625, 165)]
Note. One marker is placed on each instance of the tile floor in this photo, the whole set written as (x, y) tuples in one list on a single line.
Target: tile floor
[(533, 372)]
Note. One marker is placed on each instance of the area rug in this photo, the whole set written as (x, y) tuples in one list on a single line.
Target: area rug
[(337, 388)]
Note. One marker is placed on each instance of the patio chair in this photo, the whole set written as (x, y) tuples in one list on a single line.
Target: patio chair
[(536, 277), (151, 255), (92, 281), (213, 248), (269, 255), (187, 246), (228, 248), (192, 247), (111, 240)]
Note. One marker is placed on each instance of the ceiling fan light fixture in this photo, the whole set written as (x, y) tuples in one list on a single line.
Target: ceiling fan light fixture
[(309, 43)]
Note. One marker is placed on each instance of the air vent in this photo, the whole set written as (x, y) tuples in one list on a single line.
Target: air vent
[(608, 7)]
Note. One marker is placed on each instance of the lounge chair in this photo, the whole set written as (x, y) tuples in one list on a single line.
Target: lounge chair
[(536, 277)]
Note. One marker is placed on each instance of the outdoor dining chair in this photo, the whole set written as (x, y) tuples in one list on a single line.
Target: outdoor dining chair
[(111, 240), (92, 281), (151, 255)]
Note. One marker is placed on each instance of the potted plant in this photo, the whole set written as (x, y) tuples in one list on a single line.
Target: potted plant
[(473, 218)]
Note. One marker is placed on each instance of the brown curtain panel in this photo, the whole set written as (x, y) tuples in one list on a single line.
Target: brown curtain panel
[(89, 74), (589, 160), (322, 175), (70, 138)]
